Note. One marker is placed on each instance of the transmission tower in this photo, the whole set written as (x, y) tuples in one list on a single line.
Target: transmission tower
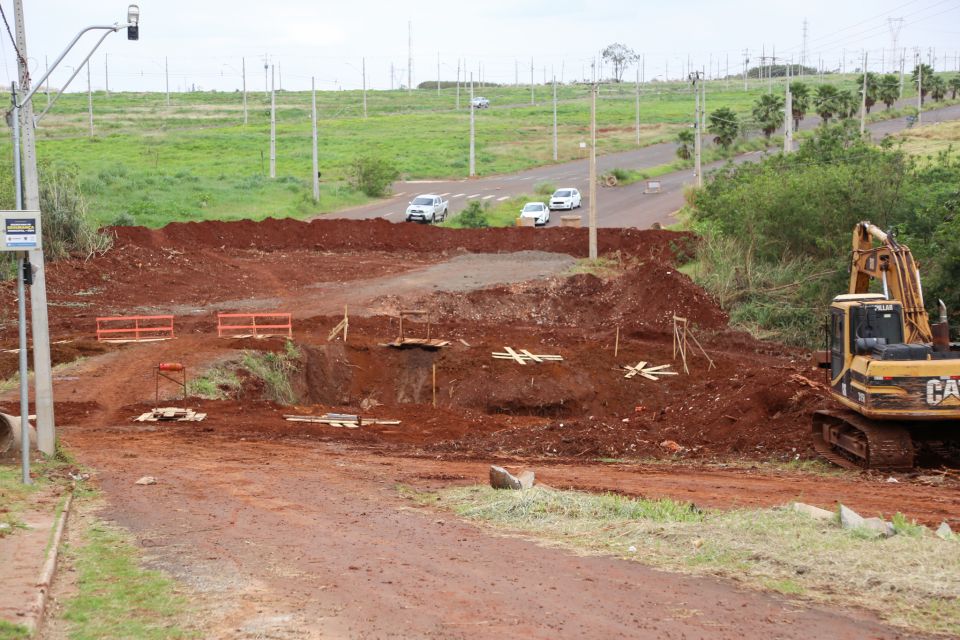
[(803, 52), (895, 24)]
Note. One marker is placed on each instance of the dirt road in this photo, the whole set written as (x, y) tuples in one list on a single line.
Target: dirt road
[(305, 540)]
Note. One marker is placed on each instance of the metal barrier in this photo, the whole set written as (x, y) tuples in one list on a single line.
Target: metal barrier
[(141, 331), (253, 329)]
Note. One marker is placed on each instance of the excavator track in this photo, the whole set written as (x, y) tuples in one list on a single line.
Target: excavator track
[(849, 440)]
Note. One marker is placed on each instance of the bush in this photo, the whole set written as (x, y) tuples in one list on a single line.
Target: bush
[(544, 189), (373, 176), (473, 217)]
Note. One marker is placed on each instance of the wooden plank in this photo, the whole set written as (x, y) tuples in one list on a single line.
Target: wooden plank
[(516, 356), (531, 356), (650, 377)]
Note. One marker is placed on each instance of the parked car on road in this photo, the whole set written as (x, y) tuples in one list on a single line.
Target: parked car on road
[(427, 208), (536, 210), (480, 103), (567, 198)]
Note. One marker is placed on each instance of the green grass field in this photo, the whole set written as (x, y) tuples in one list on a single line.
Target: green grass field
[(196, 160)]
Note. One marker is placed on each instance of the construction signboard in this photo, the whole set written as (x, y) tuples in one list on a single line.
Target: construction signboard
[(19, 230)]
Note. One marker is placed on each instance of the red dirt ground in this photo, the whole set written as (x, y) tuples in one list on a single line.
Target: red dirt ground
[(752, 406)]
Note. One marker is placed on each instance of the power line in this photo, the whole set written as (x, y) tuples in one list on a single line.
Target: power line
[(13, 41)]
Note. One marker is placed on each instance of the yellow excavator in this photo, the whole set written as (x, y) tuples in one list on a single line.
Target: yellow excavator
[(896, 374)]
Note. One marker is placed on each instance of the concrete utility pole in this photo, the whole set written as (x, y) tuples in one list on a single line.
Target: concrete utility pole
[(788, 120), (166, 78), (531, 81), (363, 70), (638, 106), (273, 127), (43, 380), (409, 56), (863, 98), (593, 172), (555, 144), (89, 99), (266, 77), (746, 61), (316, 158), (903, 57), (473, 154), (697, 143), (243, 67), (458, 84), (919, 92), (106, 73)]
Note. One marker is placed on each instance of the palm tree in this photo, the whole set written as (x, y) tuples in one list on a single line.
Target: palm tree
[(888, 90), (725, 126), (938, 88), (954, 84), (685, 144), (871, 89), (800, 101), (849, 103), (826, 102), (768, 112), (924, 81)]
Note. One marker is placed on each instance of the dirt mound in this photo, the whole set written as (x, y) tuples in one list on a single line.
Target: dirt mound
[(379, 235)]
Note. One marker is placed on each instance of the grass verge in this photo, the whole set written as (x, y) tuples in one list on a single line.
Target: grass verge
[(767, 549), (10, 631), (117, 599)]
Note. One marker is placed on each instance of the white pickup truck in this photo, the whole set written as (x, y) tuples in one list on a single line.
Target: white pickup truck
[(427, 208)]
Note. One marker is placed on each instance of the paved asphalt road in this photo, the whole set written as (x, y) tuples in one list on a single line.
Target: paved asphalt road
[(626, 206)]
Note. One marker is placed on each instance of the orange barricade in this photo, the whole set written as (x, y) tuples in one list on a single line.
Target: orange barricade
[(253, 328), (144, 329)]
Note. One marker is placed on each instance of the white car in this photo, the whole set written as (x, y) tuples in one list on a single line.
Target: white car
[(567, 198), (539, 211), (480, 103), (427, 208)]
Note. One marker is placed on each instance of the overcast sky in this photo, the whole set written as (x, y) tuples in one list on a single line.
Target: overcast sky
[(206, 41)]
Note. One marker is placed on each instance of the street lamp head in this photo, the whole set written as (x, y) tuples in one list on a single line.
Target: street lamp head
[(133, 22)]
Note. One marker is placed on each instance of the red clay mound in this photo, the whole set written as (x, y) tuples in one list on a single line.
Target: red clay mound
[(379, 235)]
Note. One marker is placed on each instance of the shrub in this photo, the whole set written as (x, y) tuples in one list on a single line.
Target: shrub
[(544, 188), (373, 176), (473, 217)]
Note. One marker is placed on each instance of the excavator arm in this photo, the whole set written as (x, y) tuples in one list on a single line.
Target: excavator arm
[(892, 264)]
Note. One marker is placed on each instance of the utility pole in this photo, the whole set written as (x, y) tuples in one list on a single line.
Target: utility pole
[(638, 106), (473, 131), (266, 77), (531, 82), (788, 117), (273, 127), (363, 70), (243, 68), (43, 379), (919, 91), (409, 57), (106, 73), (746, 61), (903, 56), (697, 143), (458, 84), (593, 173), (166, 78), (316, 158), (803, 51), (89, 99), (555, 150), (863, 98)]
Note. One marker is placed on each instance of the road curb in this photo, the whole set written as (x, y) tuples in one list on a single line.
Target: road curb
[(35, 617)]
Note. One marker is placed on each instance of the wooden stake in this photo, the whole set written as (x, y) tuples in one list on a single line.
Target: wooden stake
[(346, 324), (616, 344)]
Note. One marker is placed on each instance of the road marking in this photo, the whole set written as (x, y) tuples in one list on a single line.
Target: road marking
[(444, 195), (387, 215), (503, 198), (476, 195), (486, 197), (527, 178), (459, 195), (397, 195)]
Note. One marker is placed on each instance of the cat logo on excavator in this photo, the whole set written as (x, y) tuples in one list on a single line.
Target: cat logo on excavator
[(943, 392)]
